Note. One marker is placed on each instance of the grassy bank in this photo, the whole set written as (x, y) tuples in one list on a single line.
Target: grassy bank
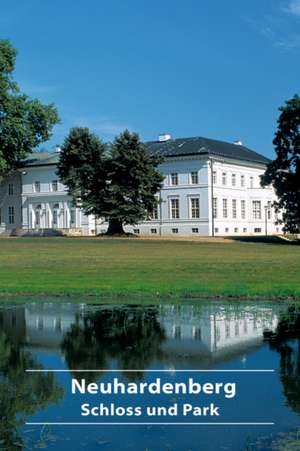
[(136, 267)]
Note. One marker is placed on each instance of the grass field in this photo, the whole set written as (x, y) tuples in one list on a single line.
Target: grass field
[(65, 266)]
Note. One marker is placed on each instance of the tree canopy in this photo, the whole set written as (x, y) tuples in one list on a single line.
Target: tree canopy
[(115, 181), (286, 341), (24, 122), (130, 335), (284, 171)]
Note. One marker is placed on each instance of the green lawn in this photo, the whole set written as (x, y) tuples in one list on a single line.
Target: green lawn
[(63, 266)]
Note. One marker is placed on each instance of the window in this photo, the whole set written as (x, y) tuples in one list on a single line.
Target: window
[(154, 212), (243, 209), (224, 178), (55, 217), (269, 211), (174, 230), (215, 207), (226, 230), (174, 208), (216, 230), (214, 177), (73, 217), (38, 215), (11, 215), (40, 323), (236, 230), (233, 179), (54, 185), (154, 231), (227, 330), (177, 332), (174, 178), (10, 189), (234, 208), (225, 208), (244, 230), (37, 187), (242, 181), (257, 230), (194, 178), (55, 214), (137, 231), (256, 209), (197, 333), (195, 207), (251, 182), (195, 230), (236, 329), (57, 324)]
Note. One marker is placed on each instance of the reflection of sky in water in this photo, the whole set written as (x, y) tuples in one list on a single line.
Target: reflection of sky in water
[(207, 335)]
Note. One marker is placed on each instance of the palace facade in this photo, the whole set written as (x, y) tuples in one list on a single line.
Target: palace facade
[(210, 188)]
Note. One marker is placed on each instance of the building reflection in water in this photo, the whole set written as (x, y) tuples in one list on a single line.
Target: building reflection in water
[(192, 333), (192, 329)]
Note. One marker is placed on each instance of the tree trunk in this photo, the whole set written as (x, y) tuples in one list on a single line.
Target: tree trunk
[(115, 227)]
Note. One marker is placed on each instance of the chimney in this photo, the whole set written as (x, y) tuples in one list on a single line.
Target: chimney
[(164, 137)]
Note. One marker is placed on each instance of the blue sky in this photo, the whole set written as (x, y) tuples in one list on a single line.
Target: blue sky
[(210, 68)]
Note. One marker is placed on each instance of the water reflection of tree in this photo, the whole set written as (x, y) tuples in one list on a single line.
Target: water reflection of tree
[(286, 341), (131, 335), (21, 394)]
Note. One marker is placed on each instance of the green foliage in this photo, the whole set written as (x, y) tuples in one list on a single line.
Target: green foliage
[(82, 167), (131, 335), (21, 394), (117, 181), (134, 180), (284, 171), (286, 341), (24, 123)]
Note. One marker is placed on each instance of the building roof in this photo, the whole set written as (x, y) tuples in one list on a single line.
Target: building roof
[(41, 159), (174, 148), (205, 146)]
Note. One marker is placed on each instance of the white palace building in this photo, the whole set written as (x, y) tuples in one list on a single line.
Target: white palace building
[(211, 188)]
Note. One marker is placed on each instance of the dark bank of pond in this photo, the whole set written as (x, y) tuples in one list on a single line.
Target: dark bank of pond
[(231, 341)]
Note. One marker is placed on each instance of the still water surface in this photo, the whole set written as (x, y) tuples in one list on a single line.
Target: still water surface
[(204, 335)]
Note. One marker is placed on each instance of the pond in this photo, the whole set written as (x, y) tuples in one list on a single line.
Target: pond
[(248, 354)]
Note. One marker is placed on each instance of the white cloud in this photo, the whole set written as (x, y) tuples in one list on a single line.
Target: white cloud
[(293, 7), (281, 30)]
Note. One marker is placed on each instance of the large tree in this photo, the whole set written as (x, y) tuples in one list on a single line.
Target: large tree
[(82, 167), (284, 171), (24, 123), (117, 182)]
